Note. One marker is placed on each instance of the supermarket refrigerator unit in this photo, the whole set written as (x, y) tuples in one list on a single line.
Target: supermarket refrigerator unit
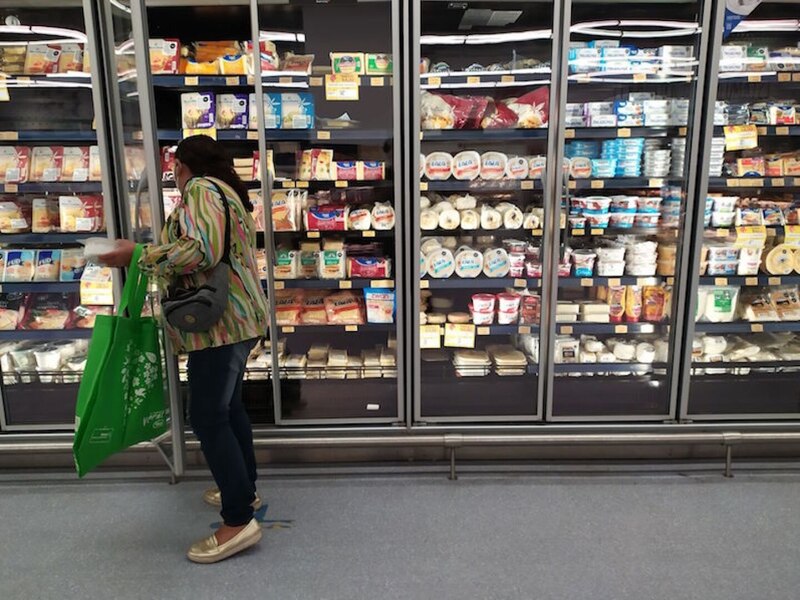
[(320, 155), (629, 116), (57, 187), (481, 85), (742, 351)]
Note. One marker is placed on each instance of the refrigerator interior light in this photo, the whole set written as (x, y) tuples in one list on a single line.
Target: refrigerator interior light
[(768, 25), (661, 28), (480, 39), (72, 35), (281, 36), (120, 5)]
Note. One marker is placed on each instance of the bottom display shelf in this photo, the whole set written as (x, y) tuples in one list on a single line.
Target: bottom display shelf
[(311, 399), (629, 396), (41, 405), (726, 395)]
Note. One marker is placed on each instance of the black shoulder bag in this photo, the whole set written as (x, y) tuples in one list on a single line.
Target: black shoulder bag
[(198, 309)]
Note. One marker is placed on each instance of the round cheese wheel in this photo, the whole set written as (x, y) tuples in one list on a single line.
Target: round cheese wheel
[(437, 318), (467, 165), (359, 219), (440, 264), (493, 165), (780, 260), (517, 168), (531, 221), (438, 166), (449, 219), (469, 263), (496, 263), (458, 317)]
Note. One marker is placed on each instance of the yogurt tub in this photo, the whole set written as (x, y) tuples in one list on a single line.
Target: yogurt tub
[(722, 219), (722, 252), (533, 269), (483, 303), (722, 267), (577, 204), (577, 222), (597, 203), (598, 221), (508, 302), (48, 358), (481, 318), (616, 254), (583, 260), (624, 204), (610, 269), (516, 262), (649, 204), (622, 220), (643, 270), (507, 318), (647, 219)]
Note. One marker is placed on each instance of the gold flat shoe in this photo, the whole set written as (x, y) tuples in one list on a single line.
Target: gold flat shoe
[(213, 497), (208, 551)]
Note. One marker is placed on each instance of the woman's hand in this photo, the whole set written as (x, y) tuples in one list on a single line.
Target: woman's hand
[(120, 256)]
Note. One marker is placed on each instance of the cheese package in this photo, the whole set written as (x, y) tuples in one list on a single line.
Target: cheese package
[(288, 305), (287, 264), (71, 58), (779, 260), (438, 166), (77, 214), (371, 170), (786, 302), (12, 309), (261, 263), (84, 317), (383, 216), (232, 64), (467, 165), (75, 164), (344, 308), (44, 215), (95, 170), (42, 59), (345, 170), (73, 263), (299, 63), (440, 263), (369, 267), (272, 111), (313, 309), (332, 264), (328, 217), (270, 60), (15, 216), (297, 111), (720, 303), (493, 166), (496, 263), (379, 64), (359, 219), (20, 265), (380, 305), (469, 263), (14, 163), (164, 56), (348, 63), (757, 307), (48, 265), (46, 163), (198, 110), (517, 168), (232, 111)]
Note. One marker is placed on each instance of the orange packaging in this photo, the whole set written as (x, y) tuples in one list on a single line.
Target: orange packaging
[(314, 312), (615, 298), (288, 305), (344, 308), (654, 302), (44, 215), (95, 170), (14, 164), (42, 59), (633, 304), (71, 59), (791, 165), (774, 166), (46, 163), (75, 164), (164, 56)]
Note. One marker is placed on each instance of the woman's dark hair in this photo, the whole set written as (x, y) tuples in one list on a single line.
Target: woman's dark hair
[(206, 157)]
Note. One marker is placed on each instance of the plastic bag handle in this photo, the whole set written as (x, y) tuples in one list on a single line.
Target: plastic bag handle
[(135, 289)]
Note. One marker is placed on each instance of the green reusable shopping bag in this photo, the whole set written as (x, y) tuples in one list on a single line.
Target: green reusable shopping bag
[(121, 397)]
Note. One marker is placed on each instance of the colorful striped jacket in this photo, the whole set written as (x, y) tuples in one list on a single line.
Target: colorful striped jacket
[(191, 244)]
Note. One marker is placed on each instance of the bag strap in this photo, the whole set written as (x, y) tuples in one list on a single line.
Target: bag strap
[(135, 289), (226, 207)]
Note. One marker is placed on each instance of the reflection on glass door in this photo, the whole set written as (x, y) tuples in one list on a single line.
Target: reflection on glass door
[(632, 75), (331, 108), (484, 107), (745, 350)]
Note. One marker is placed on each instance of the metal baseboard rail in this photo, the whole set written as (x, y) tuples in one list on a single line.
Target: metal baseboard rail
[(452, 441)]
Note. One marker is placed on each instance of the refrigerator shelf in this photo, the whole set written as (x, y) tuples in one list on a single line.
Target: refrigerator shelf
[(45, 238), (338, 329), (482, 135), (607, 367), (350, 233), (483, 232), (769, 130), (609, 328), (481, 186), (577, 282), (485, 79), (777, 364), (604, 77), (45, 335), (56, 187), (326, 185), (625, 132), (748, 327), (756, 280), (622, 183), (331, 284), (754, 182), (616, 231), (275, 79), (291, 135), (486, 330), (41, 286), (479, 283), (48, 135), (770, 77)]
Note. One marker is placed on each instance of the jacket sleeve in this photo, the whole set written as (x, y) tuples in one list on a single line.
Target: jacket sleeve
[(201, 220)]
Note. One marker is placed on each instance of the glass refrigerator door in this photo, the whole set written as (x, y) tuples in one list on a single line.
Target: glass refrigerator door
[(631, 86), (745, 352), (479, 214), (329, 74), (52, 196)]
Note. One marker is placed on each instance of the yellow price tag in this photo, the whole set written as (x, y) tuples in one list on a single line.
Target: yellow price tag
[(775, 281), (345, 285), (621, 329), (638, 77), (795, 77), (430, 336), (749, 182), (191, 81), (342, 87), (683, 131), (587, 282), (536, 232), (526, 185), (484, 331), (614, 282), (623, 132), (507, 79), (578, 232), (315, 82), (302, 184), (435, 81), (573, 185), (312, 234), (11, 188), (520, 283), (756, 328), (721, 281), (656, 183), (285, 80), (754, 78), (341, 184), (569, 134), (9, 136), (288, 329), (210, 132), (524, 330), (424, 284), (323, 135), (252, 135), (781, 131), (778, 182), (279, 285), (288, 183), (751, 281), (423, 186), (351, 327), (762, 131), (377, 81), (231, 81), (597, 231), (383, 283), (598, 184), (784, 77), (473, 80), (457, 335), (566, 329)]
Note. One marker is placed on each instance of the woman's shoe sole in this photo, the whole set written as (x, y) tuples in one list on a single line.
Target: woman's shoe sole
[(232, 551)]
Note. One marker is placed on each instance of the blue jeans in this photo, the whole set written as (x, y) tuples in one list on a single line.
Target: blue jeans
[(220, 422)]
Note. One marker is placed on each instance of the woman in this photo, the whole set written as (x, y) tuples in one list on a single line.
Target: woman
[(191, 245)]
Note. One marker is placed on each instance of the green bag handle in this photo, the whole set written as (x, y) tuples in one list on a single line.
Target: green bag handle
[(135, 290)]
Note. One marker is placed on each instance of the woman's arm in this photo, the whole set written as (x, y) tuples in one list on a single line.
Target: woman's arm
[(201, 219)]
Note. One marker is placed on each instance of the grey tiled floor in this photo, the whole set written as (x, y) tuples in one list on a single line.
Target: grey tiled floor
[(417, 537)]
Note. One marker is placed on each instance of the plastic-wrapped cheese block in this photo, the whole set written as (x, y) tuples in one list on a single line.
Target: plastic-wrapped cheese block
[(587, 357), (594, 346), (442, 206), (490, 218), (383, 216), (512, 218), (625, 352), (531, 220), (469, 263), (439, 166), (495, 263), (424, 202), (430, 244), (440, 264), (470, 219), (467, 165), (449, 219), (428, 220), (493, 166), (645, 353), (466, 202), (714, 344), (721, 304)]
